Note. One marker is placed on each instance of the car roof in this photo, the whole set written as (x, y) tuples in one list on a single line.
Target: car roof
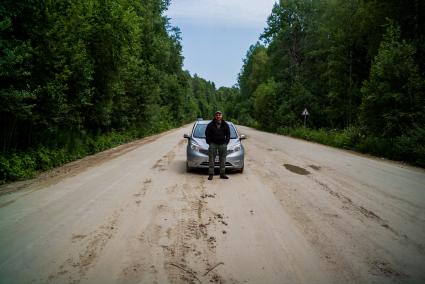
[(208, 121)]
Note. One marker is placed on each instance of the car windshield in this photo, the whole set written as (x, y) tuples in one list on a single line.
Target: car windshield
[(199, 131)]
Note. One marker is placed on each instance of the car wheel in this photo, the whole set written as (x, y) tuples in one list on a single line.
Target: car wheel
[(241, 170), (188, 169)]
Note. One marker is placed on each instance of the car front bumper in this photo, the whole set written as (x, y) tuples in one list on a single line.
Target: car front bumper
[(197, 159)]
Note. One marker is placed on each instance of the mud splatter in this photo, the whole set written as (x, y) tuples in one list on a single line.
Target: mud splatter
[(208, 195), (382, 267), (316, 168), (78, 237)]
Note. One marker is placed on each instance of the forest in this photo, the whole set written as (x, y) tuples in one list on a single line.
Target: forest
[(78, 77), (81, 76), (356, 65)]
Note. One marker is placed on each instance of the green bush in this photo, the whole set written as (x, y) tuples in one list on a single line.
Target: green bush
[(44, 158), (409, 148), (17, 166), (376, 146), (23, 165)]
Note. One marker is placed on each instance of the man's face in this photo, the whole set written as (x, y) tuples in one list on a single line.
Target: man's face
[(218, 116)]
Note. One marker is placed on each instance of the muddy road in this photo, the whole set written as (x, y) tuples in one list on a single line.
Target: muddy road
[(300, 213)]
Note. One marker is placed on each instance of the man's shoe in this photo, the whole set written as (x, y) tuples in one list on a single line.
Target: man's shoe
[(210, 177), (224, 177)]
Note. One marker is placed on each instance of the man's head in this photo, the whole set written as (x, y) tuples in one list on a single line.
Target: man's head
[(218, 115)]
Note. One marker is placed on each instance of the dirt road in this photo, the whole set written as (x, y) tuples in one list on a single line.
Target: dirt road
[(300, 213)]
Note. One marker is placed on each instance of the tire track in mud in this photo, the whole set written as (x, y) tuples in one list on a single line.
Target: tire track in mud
[(144, 251), (142, 192), (178, 245), (76, 266), (140, 267), (351, 206), (336, 263), (378, 267), (190, 258), (163, 163), (369, 214), (90, 246)]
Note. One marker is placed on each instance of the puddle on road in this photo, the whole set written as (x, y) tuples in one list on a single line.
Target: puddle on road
[(297, 170)]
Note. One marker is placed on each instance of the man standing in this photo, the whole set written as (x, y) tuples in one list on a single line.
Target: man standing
[(217, 136)]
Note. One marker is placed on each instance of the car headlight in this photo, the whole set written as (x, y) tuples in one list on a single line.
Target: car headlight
[(195, 146), (236, 148)]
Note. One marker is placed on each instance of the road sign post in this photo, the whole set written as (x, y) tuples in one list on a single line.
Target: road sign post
[(305, 113)]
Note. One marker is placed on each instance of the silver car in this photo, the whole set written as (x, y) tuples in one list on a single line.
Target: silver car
[(197, 148)]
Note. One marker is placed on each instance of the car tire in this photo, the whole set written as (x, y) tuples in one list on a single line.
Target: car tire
[(241, 170), (188, 169)]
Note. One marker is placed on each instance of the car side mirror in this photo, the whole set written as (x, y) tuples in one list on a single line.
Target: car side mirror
[(186, 136), (242, 137)]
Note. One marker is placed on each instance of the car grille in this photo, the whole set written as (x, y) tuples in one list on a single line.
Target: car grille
[(205, 152), (216, 164)]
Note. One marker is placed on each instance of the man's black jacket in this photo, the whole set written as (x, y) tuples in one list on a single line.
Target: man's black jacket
[(217, 135)]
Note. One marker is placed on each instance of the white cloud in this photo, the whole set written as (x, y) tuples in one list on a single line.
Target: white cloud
[(248, 13)]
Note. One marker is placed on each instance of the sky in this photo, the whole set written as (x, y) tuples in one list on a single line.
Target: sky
[(216, 34)]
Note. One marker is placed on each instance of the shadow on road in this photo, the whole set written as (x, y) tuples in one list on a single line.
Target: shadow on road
[(179, 166)]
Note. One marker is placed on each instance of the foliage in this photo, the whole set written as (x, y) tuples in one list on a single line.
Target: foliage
[(265, 104), (77, 76), (394, 98), (353, 64), (405, 148), (26, 164)]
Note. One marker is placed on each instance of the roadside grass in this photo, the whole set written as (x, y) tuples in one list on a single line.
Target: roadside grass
[(20, 165), (409, 149)]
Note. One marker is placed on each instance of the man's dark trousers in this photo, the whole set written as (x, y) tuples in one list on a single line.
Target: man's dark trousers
[(212, 153)]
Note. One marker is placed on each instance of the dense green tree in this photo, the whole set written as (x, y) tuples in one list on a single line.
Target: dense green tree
[(265, 105), (342, 61), (18, 92), (319, 53), (393, 98), (75, 68)]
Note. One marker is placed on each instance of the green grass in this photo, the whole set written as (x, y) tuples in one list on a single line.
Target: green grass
[(22, 165), (410, 149)]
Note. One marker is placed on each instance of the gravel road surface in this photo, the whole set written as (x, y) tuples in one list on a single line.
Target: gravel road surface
[(300, 213)]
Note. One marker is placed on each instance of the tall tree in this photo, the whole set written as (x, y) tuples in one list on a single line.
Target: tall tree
[(393, 98)]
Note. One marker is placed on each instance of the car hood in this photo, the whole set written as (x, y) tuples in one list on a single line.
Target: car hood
[(203, 143)]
